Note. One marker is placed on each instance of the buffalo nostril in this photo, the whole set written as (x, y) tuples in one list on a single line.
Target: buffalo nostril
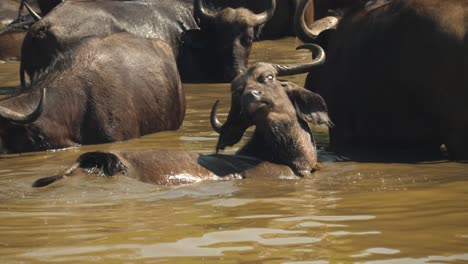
[(256, 92)]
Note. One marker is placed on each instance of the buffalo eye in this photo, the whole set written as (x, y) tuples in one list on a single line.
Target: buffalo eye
[(266, 78)]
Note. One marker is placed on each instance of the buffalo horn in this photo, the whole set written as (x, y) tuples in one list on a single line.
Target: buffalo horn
[(309, 33), (299, 68), (300, 23), (32, 13), (204, 12), (263, 17), (22, 77), (16, 117), (215, 124)]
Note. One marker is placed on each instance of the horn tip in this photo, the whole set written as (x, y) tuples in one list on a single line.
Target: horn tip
[(307, 46), (215, 124)]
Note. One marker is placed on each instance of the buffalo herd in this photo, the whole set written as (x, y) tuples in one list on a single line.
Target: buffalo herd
[(385, 75)]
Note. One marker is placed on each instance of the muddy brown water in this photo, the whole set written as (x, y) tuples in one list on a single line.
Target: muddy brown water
[(347, 212)]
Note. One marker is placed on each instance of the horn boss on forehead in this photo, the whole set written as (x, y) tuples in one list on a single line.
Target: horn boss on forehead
[(208, 14)]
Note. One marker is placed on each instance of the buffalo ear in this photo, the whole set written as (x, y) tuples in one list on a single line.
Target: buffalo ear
[(309, 106)]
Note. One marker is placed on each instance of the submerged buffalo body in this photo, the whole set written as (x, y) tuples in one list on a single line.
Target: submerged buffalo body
[(281, 146), (222, 37), (395, 76), (105, 89)]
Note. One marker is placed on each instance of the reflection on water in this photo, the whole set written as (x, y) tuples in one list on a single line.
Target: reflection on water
[(346, 212), (189, 247)]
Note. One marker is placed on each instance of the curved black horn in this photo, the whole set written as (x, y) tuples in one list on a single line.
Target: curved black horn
[(300, 25), (22, 77), (263, 17), (203, 11), (215, 124), (32, 13), (16, 117), (308, 33), (299, 68), (20, 11)]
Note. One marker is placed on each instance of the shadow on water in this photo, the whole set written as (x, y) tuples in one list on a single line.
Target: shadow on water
[(393, 155), (410, 156)]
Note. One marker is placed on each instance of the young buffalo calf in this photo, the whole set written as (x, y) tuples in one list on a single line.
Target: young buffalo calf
[(281, 146)]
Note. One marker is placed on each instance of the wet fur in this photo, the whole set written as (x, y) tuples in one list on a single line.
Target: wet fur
[(92, 97), (71, 21)]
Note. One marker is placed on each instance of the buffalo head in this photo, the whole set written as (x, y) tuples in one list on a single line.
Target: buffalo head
[(231, 32), (257, 96)]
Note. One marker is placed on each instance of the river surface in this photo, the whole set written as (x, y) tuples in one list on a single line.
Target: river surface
[(348, 212)]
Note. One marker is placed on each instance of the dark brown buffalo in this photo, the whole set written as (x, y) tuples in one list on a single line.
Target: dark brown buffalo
[(395, 77), (105, 89), (282, 144), (280, 25), (210, 45)]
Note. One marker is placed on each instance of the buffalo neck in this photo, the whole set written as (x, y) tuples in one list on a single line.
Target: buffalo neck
[(284, 142)]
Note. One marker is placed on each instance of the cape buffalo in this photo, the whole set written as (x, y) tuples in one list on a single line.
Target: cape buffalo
[(282, 144), (210, 45), (105, 89), (279, 26), (395, 77)]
